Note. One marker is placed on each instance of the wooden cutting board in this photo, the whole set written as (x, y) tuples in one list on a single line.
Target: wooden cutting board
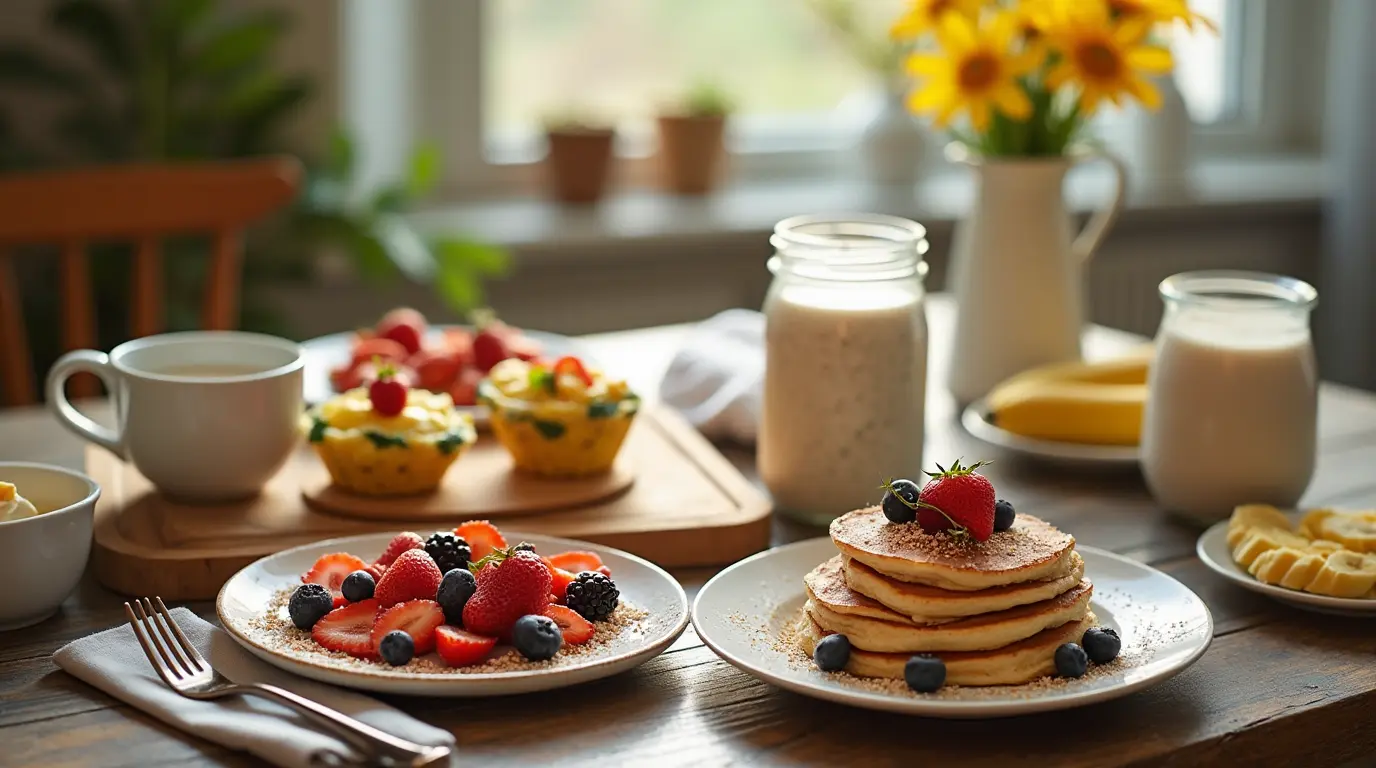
[(688, 506)]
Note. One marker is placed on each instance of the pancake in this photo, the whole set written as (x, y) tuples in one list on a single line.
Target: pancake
[(1014, 664), (1032, 550), (973, 633), (826, 584), (929, 605)]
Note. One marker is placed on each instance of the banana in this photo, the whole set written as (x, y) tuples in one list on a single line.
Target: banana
[(1071, 411), (1344, 574), (1130, 368), (1324, 547), (1248, 516), (1309, 524), (1261, 540), (1286, 567), (1354, 532)]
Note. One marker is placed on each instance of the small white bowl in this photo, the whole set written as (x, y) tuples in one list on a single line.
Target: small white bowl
[(42, 558)]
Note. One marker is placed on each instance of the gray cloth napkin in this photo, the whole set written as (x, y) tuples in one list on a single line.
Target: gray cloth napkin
[(715, 379), (114, 662)]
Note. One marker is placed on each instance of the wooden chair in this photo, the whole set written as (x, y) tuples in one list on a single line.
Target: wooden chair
[(139, 203)]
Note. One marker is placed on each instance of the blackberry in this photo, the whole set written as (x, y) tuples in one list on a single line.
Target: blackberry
[(309, 604), (448, 551), (524, 546), (592, 596)]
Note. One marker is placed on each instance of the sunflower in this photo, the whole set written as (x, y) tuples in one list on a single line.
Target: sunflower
[(1160, 11), (925, 16), (1105, 58), (977, 70)]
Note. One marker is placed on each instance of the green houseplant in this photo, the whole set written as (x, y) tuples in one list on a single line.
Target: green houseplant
[(692, 140)]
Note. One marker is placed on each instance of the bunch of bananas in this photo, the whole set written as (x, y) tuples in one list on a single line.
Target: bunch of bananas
[(1093, 403), (1329, 553)]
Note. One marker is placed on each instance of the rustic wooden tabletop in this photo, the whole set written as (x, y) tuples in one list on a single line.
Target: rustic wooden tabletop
[(1277, 687)]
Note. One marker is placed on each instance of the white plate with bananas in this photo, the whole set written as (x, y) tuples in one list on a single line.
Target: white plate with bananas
[(1082, 412), (1320, 560)]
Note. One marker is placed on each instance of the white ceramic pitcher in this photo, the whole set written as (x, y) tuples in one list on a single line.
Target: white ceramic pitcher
[(1017, 271)]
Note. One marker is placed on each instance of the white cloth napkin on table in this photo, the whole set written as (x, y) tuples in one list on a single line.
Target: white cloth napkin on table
[(715, 379), (114, 662)]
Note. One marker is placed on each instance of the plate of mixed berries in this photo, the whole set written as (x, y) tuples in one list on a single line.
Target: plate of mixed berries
[(471, 611)]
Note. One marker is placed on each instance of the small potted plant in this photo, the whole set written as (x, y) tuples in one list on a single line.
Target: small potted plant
[(579, 159), (691, 145)]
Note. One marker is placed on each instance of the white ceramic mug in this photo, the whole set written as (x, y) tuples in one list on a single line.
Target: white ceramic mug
[(204, 415)]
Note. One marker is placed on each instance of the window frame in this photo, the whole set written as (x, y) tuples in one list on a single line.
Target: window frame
[(1272, 38)]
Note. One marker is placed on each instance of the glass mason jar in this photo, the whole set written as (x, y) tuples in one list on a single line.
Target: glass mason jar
[(845, 362), (1232, 404)]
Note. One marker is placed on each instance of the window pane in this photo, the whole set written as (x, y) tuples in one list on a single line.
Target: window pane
[(1201, 66), (620, 59)]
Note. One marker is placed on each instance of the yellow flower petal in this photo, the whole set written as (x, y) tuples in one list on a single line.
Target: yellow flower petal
[(1145, 92), (979, 115), (1150, 59), (929, 98), (927, 64), (1013, 102), (956, 32)]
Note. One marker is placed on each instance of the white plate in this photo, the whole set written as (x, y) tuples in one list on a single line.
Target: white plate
[(1212, 548), (325, 353), (975, 420), (1164, 626), (245, 597)]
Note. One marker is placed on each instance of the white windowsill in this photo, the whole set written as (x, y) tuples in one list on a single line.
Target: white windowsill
[(542, 229)]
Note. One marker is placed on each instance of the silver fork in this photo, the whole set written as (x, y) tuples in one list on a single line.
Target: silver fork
[(183, 668)]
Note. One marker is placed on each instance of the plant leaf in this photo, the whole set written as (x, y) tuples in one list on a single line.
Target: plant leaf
[(424, 170), (239, 45), (340, 158), (481, 258), (404, 247), (94, 24), (170, 19), (391, 199)]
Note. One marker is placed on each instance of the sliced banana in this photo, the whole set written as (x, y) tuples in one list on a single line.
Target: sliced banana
[(1258, 516), (1354, 532), (1324, 547), (1344, 574), (1286, 567), (1309, 524), (1261, 540)]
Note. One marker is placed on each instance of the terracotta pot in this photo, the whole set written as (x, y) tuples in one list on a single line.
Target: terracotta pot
[(690, 152), (579, 163)]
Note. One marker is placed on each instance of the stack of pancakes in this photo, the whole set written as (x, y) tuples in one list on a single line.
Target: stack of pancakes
[(994, 611)]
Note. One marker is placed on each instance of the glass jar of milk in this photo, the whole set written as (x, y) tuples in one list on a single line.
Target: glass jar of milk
[(845, 362), (1232, 404)]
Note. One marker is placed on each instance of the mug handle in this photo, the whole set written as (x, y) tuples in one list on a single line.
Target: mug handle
[(85, 361), (1089, 239)]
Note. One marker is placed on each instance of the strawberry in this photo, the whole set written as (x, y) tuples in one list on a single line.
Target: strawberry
[(460, 648), (329, 571), (560, 581), (958, 499), (576, 629), (488, 350), (519, 584), (435, 370), (348, 629), (405, 326), (417, 618), (573, 366), (482, 537), (413, 576), (368, 349), (376, 571), (523, 347), (399, 543), (577, 562), (387, 395), (464, 390)]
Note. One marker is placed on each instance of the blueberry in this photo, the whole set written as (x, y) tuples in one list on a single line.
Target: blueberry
[(1071, 660), (455, 588), (832, 653), (1101, 644), (925, 673), (893, 506), (309, 603), (1003, 516), (396, 647), (358, 586), (537, 637)]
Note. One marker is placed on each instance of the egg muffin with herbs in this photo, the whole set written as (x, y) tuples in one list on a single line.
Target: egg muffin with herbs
[(388, 440), (562, 420)]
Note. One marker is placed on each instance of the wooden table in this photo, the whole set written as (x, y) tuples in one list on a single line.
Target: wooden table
[(1277, 687)]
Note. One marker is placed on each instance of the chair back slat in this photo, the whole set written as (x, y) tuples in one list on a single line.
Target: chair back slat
[(147, 310), (142, 203), (16, 370)]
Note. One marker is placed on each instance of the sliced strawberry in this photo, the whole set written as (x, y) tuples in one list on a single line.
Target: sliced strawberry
[(576, 562), (349, 629), (460, 648), (339, 601), (482, 538), (376, 571), (329, 571), (574, 366), (576, 629), (417, 618), (560, 584), (523, 347), (399, 543), (388, 350), (414, 576)]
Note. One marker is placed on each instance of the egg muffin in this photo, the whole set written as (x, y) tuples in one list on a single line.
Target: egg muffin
[(562, 420), (387, 442)]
